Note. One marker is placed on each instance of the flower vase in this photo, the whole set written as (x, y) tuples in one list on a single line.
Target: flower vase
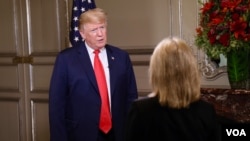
[(238, 68)]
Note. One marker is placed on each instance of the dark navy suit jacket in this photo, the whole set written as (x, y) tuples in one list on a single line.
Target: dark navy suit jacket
[(74, 100)]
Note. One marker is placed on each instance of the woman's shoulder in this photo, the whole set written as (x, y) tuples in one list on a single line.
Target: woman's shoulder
[(146, 100), (146, 103), (202, 104), (203, 108)]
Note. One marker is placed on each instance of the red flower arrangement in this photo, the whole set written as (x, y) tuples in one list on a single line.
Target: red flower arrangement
[(224, 26)]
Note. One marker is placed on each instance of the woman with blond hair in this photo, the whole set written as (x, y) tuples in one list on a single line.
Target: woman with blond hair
[(175, 111)]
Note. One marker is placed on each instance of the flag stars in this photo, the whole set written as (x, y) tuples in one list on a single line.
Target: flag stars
[(78, 7), (82, 9), (75, 8), (76, 39), (75, 19), (76, 29)]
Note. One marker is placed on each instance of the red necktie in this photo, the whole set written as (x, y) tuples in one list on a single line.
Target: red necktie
[(105, 118)]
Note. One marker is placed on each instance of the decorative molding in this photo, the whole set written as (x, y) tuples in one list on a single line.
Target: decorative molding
[(139, 51), (210, 69), (140, 63)]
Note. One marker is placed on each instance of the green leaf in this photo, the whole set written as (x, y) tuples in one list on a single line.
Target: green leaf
[(237, 65)]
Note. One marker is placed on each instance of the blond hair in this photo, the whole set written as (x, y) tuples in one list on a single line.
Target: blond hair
[(174, 74), (96, 15)]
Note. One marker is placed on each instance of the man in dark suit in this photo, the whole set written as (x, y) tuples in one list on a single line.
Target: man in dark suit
[(75, 102)]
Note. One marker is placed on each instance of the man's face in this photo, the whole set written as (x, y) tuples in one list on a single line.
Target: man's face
[(95, 34)]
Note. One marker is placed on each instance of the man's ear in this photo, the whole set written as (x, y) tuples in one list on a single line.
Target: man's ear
[(82, 34)]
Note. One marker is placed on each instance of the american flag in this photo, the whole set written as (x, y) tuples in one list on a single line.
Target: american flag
[(79, 6)]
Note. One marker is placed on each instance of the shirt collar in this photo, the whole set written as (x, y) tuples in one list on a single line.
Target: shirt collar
[(91, 50)]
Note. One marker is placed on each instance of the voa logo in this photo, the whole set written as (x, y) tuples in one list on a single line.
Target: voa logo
[(236, 132)]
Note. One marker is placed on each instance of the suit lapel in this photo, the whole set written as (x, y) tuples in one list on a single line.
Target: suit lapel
[(87, 66), (88, 69), (112, 72)]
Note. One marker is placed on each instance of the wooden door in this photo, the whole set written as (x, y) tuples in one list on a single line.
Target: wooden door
[(32, 32)]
